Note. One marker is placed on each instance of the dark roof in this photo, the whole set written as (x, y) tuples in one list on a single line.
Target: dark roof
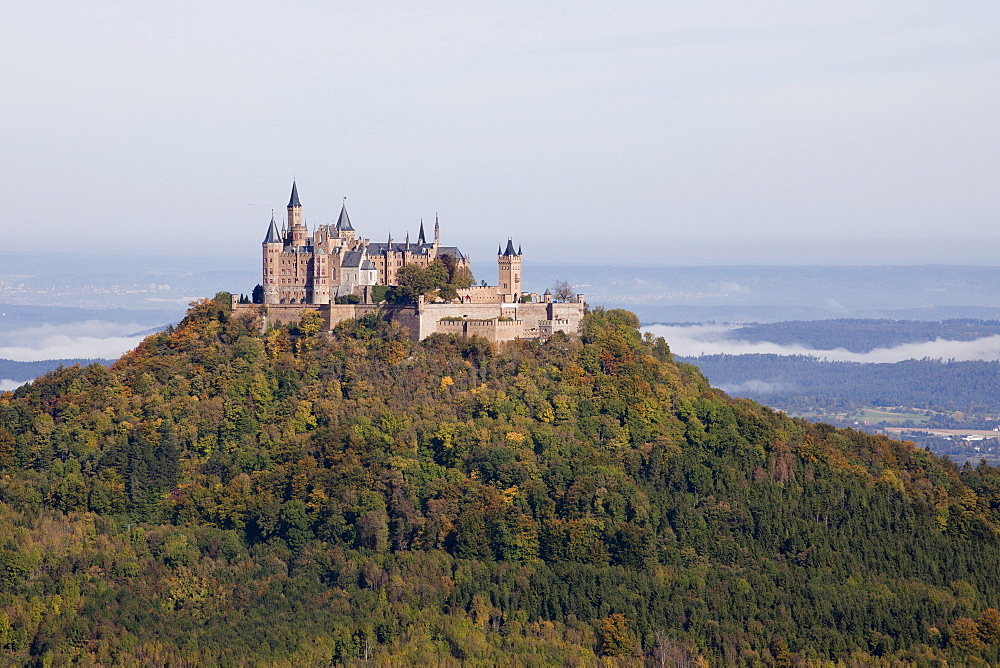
[(367, 264), (344, 222), (352, 259), (273, 237), (510, 249), (420, 237), (380, 247), (294, 199), (450, 250)]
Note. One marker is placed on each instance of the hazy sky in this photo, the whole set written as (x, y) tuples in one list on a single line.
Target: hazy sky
[(675, 132)]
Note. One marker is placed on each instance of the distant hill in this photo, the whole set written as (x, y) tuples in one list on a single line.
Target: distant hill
[(801, 382), (23, 371), (864, 335), (222, 496)]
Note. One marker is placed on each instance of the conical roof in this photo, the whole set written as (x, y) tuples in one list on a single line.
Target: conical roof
[(293, 201), (344, 222), (273, 236), (509, 251)]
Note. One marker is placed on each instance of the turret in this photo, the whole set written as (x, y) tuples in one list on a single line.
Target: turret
[(296, 227), (272, 247), (420, 237), (437, 232), (345, 230)]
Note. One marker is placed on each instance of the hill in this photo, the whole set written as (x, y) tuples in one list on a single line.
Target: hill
[(862, 336), (801, 382), (23, 371), (220, 495)]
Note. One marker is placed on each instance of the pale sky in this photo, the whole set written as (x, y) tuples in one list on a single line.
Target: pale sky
[(674, 132)]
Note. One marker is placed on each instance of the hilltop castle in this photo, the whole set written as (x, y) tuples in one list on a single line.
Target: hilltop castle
[(303, 271)]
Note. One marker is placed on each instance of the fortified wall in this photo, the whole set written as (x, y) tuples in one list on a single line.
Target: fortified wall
[(495, 322)]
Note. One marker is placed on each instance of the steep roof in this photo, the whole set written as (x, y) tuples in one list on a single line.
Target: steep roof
[(509, 251), (294, 199), (450, 250), (420, 237), (344, 222), (273, 237), (352, 259)]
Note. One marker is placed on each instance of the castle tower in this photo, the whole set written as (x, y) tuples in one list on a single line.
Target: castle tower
[(345, 231), (272, 246), (437, 232), (296, 227), (320, 277), (509, 266)]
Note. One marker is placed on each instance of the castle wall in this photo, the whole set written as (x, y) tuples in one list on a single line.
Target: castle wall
[(494, 331), (479, 294)]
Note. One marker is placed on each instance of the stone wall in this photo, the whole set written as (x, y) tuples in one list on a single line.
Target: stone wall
[(479, 294), (494, 331), (531, 320)]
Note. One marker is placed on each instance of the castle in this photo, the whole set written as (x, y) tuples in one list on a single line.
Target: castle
[(335, 273)]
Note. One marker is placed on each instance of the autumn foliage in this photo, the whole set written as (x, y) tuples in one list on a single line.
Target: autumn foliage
[(227, 495)]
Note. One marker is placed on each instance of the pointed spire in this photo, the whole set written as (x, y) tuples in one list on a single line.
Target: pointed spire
[(344, 222), (519, 249), (499, 250), (420, 237), (437, 226), (509, 251), (293, 201), (273, 237)]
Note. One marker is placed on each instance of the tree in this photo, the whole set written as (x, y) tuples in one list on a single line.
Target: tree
[(458, 276), (414, 280), (562, 291), (989, 626), (616, 640), (310, 323), (258, 294), (965, 634)]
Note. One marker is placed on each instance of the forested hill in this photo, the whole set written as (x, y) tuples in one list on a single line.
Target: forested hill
[(801, 382), (865, 335), (222, 496), (13, 370)]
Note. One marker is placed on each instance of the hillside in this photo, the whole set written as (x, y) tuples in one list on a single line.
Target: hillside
[(223, 496)]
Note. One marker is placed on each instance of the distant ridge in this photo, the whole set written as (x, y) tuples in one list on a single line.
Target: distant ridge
[(25, 371)]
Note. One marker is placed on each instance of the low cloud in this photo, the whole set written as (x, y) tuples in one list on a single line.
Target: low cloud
[(732, 288), (755, 387), (698, 340), (11, 385), (87, 340)]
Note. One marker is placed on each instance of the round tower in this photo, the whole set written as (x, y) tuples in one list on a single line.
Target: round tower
[(272, 248)]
